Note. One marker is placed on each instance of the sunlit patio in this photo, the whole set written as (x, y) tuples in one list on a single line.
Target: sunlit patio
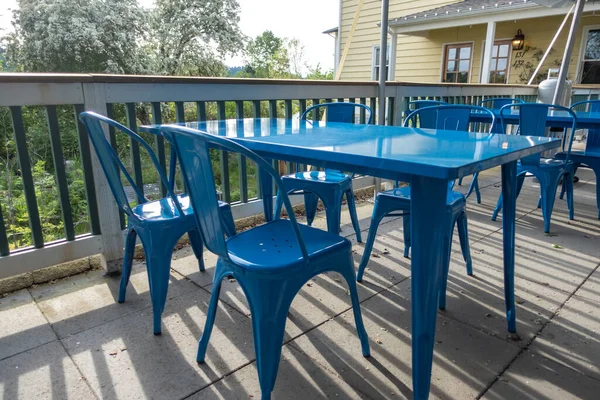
[(71, 339)]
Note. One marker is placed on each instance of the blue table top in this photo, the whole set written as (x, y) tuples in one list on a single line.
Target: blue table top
[(385, 151)]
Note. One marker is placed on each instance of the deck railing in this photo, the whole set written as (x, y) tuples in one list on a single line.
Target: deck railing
[(70, 211)]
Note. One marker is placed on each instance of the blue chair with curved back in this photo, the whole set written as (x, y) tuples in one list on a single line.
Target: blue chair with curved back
[(271, 262), (590, 156), (389, 203), (548, 171), (159, 224), (492, 104), (328, 185)]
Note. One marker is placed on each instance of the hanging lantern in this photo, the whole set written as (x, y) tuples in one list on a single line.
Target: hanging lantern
[(518, 41)]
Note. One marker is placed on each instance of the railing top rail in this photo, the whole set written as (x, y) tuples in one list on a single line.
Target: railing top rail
[(10, 77), (454, 85)]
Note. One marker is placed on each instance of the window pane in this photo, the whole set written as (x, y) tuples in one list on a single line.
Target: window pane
[(450, 77), (376, 60), (501, 64), (451, 53), (493, 64), (451, 66), (463, 77), (503, 50), (465, 52), (463, 65), (495, 51), (592, 49), (591, 72)]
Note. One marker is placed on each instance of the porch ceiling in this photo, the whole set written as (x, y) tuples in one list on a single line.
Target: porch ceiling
[(473, 12)]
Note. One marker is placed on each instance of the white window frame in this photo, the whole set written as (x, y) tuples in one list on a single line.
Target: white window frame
[(509, 58), (375, 76), (584, 37), (442, 63)]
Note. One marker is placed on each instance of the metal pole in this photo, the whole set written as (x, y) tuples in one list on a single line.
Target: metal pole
[(560, 28), (564, 68), (385, 5)]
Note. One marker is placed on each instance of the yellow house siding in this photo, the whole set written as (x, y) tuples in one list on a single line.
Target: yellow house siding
[(419, 58), (367, 32)]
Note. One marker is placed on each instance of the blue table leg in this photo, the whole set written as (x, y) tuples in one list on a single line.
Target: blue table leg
[(266, 189), (429, 243), (509, 198)]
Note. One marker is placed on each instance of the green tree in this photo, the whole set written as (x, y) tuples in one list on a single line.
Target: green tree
[(77, 36), (190, 37), (266, 57), (318, 73)]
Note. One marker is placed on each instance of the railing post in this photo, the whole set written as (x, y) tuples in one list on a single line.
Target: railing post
[(94, 95)]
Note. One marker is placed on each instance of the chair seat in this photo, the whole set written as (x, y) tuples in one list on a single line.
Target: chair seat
[(328, 176), (274, 246), (164, 209), (404, 193), (544, 163)]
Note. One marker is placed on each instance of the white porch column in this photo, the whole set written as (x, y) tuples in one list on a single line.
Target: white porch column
[(393, 45), (487, 53)]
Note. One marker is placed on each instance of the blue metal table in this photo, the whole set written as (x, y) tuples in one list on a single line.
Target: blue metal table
[(425, 158)]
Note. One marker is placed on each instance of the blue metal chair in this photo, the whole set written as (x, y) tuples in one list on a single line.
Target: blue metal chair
[(548, 171), (591, 155), (271, 262), (159, 224), (430, 115), (497, 104), (329, 185), (449, 117)]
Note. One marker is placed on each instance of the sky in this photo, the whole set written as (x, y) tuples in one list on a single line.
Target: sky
[(304, 20)]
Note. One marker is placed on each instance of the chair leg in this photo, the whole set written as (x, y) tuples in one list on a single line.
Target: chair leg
[(563, 187), (520, 182), (376, 218), (227, 221), (158, 263), (269, 304), (548, 185), (127, 263), (353, 215), (278, 206), (360, 327), (568, 185), (197, 246), (446, 265), (311, 202), (333, 211), (406, 232), (463, 235), (460, 181), (474, 187), (220, 273)]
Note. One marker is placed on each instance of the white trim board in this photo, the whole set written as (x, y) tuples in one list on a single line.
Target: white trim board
[(516, 13)]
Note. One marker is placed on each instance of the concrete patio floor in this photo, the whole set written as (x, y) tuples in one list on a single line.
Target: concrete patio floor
[(71, 339)]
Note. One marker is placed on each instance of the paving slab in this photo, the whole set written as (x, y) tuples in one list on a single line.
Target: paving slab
[(591, 288), (45, 372), (534, 377), (573, 337), (538, 259), (123, 359), (298, 377), (465, 360), (24, 326), (87, 300)]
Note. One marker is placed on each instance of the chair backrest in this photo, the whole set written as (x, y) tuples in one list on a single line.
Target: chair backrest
[(419, 104), (498, 103), (112, 165), (452, 117), (592, 144), (194, 158), (533, 118), (339, 111)]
